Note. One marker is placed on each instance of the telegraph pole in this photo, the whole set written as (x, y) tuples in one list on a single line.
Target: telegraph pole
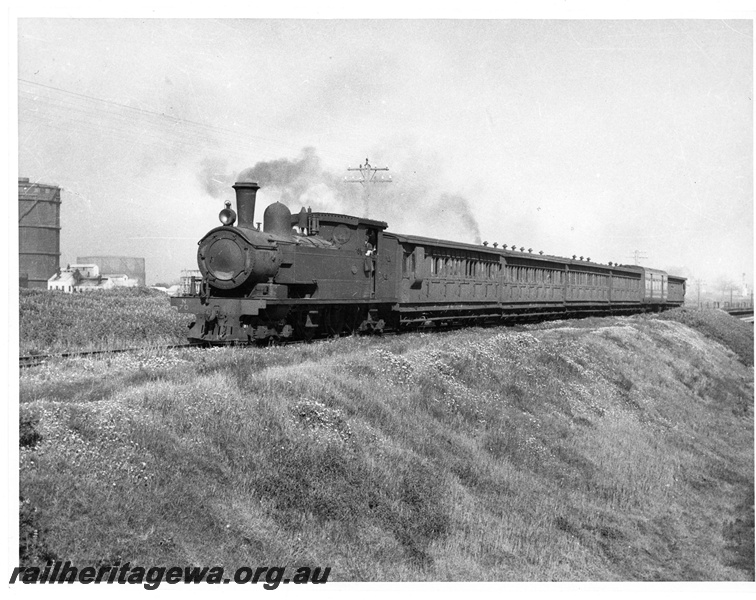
[(367, 176), (699, 283), (638, 256)]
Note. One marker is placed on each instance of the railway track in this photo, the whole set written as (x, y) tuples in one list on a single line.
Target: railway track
[(33, 360), (38, 359)]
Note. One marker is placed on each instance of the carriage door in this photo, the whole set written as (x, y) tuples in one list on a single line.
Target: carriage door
[(388, 275), (371, 254)]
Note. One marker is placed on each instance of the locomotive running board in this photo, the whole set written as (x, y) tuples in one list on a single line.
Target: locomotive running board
[(235, 306)]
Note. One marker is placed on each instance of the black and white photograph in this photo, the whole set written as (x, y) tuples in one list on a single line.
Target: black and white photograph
[(358, 294)]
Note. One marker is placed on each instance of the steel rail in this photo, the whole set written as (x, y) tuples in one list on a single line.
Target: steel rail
[(33, 360)]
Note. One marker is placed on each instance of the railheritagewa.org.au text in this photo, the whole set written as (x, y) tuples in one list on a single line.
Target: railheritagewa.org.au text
[(152, 577)]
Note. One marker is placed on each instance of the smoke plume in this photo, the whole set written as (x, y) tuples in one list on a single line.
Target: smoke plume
[(460, 207), (408, 204)]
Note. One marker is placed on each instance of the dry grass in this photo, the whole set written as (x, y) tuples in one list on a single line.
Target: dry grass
[(121, 318), (718, 325), (611, 450)]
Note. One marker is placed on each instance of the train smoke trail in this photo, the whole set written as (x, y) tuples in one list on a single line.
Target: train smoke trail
[(461, 207), (296, 178), (408, 205)]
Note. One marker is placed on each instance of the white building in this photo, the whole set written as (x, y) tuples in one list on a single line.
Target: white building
[(86, 278)]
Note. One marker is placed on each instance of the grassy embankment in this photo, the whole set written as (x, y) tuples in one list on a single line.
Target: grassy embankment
[(52, 322), (596, 450)]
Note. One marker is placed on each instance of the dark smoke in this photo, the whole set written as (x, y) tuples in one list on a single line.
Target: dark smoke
[(460, 207), (294, 178), (408, 204)]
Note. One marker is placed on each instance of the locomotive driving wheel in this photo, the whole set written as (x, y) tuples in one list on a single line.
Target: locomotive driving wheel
[(275, 340)]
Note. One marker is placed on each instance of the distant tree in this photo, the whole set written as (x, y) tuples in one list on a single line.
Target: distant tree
[(162, 285)]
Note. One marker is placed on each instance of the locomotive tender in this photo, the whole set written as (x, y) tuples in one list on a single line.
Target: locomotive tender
[(313, 274)]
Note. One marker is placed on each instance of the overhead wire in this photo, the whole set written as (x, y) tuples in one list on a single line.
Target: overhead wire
[(115, 123), (232, 135), (121, 125)]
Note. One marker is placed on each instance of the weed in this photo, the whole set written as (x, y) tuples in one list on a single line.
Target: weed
[(28, 436)]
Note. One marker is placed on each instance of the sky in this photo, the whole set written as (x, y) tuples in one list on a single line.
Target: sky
[(591, 137)]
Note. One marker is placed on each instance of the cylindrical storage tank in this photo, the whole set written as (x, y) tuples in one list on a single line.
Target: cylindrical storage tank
[(117, 265), (38, 232)]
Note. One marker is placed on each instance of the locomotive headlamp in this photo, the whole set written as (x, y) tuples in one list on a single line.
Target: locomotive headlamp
[(227, 216)]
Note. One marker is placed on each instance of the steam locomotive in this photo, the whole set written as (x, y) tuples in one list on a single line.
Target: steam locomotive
[(315, 274)]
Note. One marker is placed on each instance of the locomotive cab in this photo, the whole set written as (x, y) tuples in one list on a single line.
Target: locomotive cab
[(334, 256)]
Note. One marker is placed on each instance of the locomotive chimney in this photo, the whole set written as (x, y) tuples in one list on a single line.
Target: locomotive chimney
[(246, 193)]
